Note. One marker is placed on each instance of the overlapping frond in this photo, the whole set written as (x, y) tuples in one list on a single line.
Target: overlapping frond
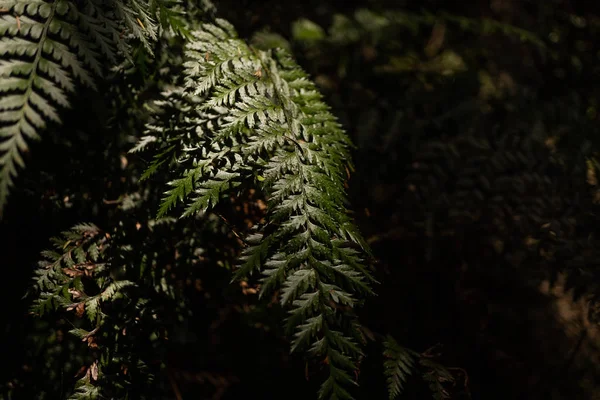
[(76, 277), (46, 49), (436, 375), (78, 254), (262, 121), (402, 363), (37, 69)]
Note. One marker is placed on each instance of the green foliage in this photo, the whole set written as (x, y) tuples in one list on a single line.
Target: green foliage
[(401, 363), (371, 31), (48, 48), (59, 278), (256, 169), (372, 26), (436, 375), (37, 71), (124, 328), (307, 31), (84, 390), (398, 367), (265, 40), (76, 277), (262, 123)]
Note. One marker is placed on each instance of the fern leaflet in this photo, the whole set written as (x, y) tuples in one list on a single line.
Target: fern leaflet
[(398, 366)]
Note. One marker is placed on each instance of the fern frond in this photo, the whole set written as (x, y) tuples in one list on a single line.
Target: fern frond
[(139, 23), (103, 31), (80, 256), (77, 253), (170, 15), (85, 389), (143, 143), (23, 90), (45, 48), (114, 288), (262, 116), (252, 256), (435, 376), (298, 282), (398, 366)]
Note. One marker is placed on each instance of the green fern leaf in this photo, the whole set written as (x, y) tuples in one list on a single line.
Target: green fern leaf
[(22, 114), (45, 47), (262, 117), (398, 366), (143, 143), (181, 189), (114, 288), (299, 282), (253, 256), (435, 376), (138, 21), (78, 250), (85, 389), (307, 331)]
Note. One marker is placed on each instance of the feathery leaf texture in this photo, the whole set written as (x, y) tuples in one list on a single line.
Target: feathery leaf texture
[(401, 363), (260, 120), (46, 48), (398, 366), (84, 389), (75, 277), (59, 276), (78, 254), (435, 376)]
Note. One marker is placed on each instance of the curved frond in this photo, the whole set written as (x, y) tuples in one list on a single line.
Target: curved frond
[(269, 122)]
